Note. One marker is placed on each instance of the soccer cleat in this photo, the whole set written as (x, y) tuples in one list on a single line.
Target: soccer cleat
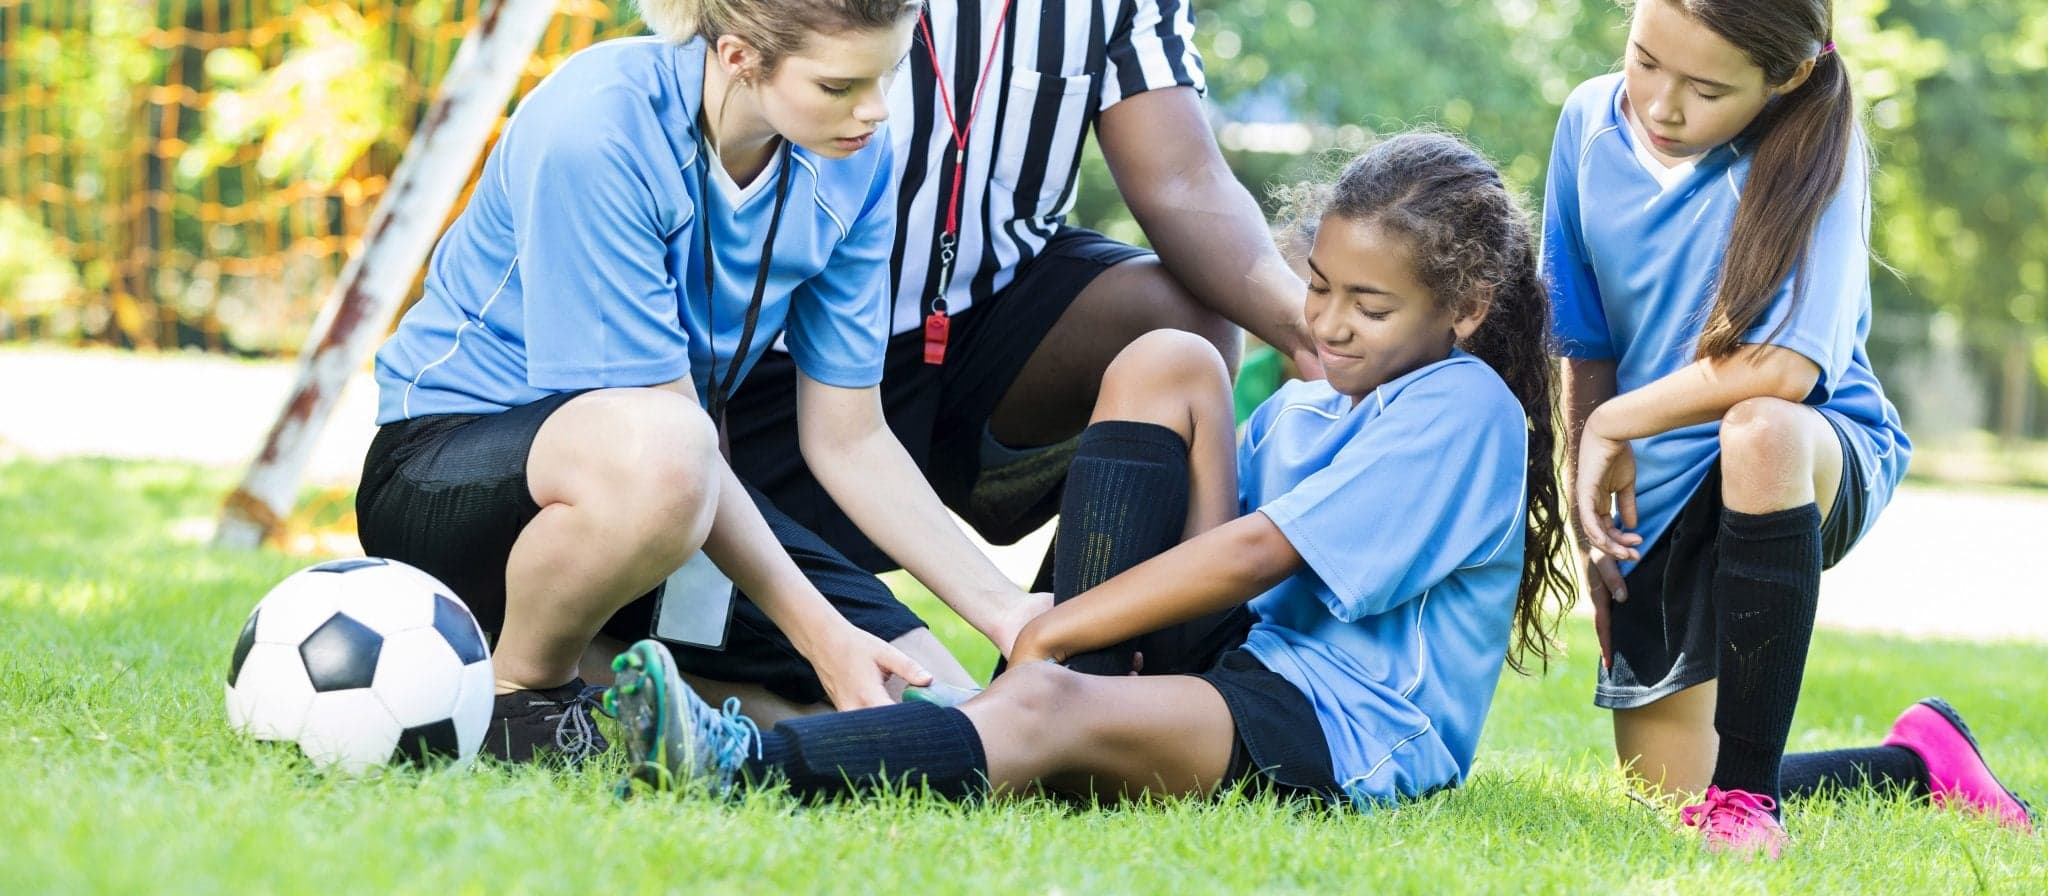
[(531, 725), (673, 737), (1957, 774), (1736, 821)]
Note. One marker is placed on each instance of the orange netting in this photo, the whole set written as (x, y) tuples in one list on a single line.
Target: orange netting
[(193, 173)]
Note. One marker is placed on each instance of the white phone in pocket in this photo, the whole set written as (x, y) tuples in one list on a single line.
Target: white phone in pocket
[(695, 606)]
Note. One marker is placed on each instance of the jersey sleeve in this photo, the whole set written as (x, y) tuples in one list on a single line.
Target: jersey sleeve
[(1434, 484), (1154, 49), (1826, 320), (592, 240), (838, 327), (1578, 321)]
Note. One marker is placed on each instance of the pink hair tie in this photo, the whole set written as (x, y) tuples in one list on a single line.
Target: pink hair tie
[(1830, 48)]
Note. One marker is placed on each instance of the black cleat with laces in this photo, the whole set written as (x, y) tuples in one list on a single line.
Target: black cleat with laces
[(556, 723)]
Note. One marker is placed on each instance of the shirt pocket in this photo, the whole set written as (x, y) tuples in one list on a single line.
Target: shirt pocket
[(1035, 162)]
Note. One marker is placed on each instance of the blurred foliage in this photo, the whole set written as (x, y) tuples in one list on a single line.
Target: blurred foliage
[(314, 114), (1953, 91), (204, 164), (203, 167)]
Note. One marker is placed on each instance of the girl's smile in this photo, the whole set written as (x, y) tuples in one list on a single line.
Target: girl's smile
[(1372, 319)]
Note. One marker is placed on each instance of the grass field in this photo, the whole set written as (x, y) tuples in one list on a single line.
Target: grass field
[(118, 773)]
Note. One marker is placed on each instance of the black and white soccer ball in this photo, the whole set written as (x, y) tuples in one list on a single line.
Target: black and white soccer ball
[(362, 662)]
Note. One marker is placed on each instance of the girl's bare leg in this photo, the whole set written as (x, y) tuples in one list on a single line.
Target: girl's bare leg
[(626, 485), (1775, 455), (1118, 735)]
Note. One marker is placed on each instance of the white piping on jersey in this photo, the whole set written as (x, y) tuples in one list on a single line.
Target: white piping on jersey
[(405, 400), (1728, 174), (1521, 502), (1421, 647), (818, 180), (1587, 144), (1390, 754), (1309, 408)]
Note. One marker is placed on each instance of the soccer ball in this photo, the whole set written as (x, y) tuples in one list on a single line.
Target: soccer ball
[(362, 662)]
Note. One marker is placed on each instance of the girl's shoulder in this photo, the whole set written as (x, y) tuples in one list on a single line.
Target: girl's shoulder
[(617, 81), (1461, 381), (626, 58), (1460, 385), (1594, 101)]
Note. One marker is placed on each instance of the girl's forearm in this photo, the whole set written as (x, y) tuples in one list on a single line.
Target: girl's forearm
[(1587, 385), (1213, 571), (1703, 391), (875, 482), (747, 551)]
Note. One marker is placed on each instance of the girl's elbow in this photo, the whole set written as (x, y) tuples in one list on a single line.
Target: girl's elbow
[(1781, 373), (1270, 555), (1795, 378)]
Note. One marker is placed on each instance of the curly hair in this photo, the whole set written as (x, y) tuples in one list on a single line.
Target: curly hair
[(1474, 248)]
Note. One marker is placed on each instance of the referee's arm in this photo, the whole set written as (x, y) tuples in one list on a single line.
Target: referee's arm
[(1206, 227)]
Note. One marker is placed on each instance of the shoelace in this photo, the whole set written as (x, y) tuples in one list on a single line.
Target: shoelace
[(729, 737), (575, 731), (1729, 812), (593, 694)]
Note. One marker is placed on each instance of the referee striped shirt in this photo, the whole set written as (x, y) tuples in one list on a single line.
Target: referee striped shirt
[(1059, 63)]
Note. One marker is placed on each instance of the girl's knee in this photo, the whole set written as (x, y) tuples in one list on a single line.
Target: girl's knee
[(1765, 432), (1035, 695), (649, 455), (1160, 374)]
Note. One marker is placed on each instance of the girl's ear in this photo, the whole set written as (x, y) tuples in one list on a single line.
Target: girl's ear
[(737, 56), (1799, 76), (1468, 323)]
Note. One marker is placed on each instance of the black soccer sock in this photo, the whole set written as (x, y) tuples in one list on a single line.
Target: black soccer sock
[(1126, 502), (847, 753), (1766, 588), (1887, 770)]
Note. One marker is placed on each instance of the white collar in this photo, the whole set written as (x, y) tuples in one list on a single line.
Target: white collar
[(1666, 176)]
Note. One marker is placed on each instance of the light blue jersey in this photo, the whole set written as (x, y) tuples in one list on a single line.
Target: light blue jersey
[(1409, 512), (577, 263), (1632, 262)]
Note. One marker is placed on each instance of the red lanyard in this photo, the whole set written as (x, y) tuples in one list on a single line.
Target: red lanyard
[(936, 324)]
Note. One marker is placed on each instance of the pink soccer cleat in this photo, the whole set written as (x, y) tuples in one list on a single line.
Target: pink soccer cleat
[(1956, 772), (1736, 821)]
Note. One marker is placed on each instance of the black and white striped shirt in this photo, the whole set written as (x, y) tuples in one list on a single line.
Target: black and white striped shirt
[(1059, 64)]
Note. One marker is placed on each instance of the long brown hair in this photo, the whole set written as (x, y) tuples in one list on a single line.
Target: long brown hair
[(1471, 241), (1800, 144)]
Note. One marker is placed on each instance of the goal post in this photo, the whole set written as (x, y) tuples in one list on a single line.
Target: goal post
[(374, 281)]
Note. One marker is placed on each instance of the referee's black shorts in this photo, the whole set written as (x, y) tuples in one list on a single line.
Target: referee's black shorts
[(940, 413), (448, 494)]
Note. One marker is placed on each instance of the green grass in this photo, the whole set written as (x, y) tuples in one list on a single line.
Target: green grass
[(118, 773)]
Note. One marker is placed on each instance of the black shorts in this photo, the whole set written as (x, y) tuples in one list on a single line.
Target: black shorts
[(448, 494), (940, 413), (1663, 638)]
